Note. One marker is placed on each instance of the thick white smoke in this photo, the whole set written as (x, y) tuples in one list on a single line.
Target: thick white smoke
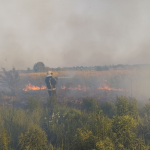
[(74, 32)]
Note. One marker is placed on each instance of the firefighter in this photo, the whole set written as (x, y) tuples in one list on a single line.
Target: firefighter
[(50, 83)]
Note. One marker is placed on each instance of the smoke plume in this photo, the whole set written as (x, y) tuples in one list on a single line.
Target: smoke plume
[(74, 33)]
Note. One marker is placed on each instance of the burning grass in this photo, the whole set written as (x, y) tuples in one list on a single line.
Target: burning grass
[(104, 85), (29, 86)]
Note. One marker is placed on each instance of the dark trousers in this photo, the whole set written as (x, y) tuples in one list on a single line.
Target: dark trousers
[(50, 93)]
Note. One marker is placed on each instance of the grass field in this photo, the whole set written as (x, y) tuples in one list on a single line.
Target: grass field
[(84, 74), (135, 82)]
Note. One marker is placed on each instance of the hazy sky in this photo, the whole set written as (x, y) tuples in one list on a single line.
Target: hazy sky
[(74, 32)]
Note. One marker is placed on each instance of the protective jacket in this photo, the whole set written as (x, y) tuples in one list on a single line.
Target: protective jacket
[(50, 82)]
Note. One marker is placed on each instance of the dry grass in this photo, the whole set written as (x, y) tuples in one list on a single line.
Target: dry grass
[(40, 75), (88, 74), (79, 73)]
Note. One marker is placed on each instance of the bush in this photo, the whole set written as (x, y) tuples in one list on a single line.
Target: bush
[(35, 139), (109, 109), (89, 104), (33, 103)]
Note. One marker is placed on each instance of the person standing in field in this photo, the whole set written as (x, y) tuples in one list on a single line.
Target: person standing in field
[(50, 83)]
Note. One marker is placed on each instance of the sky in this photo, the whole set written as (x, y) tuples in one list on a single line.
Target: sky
[(66, 33)]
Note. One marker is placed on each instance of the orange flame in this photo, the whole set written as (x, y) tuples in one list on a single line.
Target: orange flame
[(106, 87), (63, 87), (83, 88), (78, 88), (33, 87)]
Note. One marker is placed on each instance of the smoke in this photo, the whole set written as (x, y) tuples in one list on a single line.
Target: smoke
[(74, 33)]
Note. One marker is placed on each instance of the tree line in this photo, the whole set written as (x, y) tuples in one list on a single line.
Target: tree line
[(40, 67)]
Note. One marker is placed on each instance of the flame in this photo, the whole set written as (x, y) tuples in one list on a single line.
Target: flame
[(78, 88), (33, 87), (83, 88), (106, 87), (63, 87)]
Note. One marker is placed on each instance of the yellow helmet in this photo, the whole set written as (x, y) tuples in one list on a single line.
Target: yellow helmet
[(49, 73)]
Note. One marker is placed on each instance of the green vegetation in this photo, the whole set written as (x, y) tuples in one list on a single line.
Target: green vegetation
[(106, 126)]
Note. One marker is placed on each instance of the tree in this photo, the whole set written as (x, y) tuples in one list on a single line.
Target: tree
[(123, 128), (126, 108), (84, 140), (139, 144), (89, 104), (145, 110), (4, 140), (100, 125), (105, 145), (122, 106), (109, 109), (35, 138), (11, 80), (39, 67)]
